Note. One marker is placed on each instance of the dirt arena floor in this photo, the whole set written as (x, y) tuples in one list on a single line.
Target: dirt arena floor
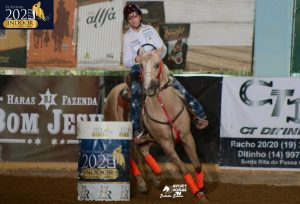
[(44, 190)]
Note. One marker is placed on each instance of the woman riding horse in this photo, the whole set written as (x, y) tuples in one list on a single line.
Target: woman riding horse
[(137, 35), (166, 118)]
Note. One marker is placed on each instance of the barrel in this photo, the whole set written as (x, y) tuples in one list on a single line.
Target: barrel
[(103, 166)]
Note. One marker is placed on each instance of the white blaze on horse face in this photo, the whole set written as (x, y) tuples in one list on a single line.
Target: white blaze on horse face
[(150, 59), (147, 74)]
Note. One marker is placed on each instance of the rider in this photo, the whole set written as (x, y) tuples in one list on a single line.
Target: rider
[(137, 35)]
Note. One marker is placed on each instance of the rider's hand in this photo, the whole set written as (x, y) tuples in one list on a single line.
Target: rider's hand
[(138, 59)]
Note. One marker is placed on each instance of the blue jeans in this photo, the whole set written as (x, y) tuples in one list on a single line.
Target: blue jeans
[(192, 102), (135, 102)]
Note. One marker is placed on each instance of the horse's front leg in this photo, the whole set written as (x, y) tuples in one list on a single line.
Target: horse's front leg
[(168, 147)]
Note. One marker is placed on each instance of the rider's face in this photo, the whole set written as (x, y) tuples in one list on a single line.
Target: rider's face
[(134, 19)]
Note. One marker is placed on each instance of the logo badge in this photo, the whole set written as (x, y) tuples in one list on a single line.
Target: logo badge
[(173, 191), (29, 14)]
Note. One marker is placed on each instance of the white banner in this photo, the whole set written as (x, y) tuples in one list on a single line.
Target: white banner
[(100, 34), (260, 108), (260, 122)]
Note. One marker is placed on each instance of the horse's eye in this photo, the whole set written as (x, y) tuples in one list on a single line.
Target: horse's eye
[(156, 65)]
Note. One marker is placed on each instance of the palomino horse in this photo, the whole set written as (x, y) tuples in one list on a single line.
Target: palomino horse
[(166, 119)]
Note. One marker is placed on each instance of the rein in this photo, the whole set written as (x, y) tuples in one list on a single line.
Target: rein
[(160, 71), (161, 64), (171, 122)]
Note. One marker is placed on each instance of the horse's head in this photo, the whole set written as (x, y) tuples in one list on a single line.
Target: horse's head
[(154, 71)]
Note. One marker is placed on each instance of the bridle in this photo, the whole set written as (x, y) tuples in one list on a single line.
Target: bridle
[(161, 64), (170, 121), (157, 88)]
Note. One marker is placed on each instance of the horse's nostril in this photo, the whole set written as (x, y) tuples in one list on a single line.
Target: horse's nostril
[(150, 92), (153, 84), (152, 88)]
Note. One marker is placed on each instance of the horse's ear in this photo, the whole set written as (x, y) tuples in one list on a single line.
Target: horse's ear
[(141, 51), (159, 51)]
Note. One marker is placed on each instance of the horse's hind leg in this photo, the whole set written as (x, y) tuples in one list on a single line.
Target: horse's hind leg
[(141, 184)]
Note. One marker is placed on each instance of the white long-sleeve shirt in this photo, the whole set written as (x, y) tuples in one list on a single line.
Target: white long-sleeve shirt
[(133, 40)]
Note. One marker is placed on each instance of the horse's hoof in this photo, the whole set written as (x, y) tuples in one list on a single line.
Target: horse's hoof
[(201, 196), (156, 181), (142, 189), (141, 184)]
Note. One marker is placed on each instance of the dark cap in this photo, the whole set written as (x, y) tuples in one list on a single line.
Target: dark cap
[(130, 8)]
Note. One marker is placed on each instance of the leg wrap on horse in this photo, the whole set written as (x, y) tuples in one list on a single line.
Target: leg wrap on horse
[(134, 168), (191, 183), (200, 179), (152, 163)]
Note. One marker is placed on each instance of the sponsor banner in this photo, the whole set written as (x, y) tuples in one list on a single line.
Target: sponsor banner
[(29, 14), (100, 34), (119, 191), (13, 48), (260, 122), (175, 37), (57, 47), (38, 116)]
